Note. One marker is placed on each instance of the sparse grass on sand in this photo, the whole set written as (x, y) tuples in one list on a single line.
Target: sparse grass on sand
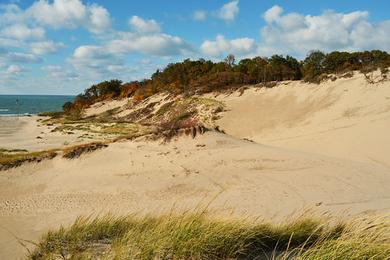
[(17, 157), (77, 150), (196, 236), (14, 158)]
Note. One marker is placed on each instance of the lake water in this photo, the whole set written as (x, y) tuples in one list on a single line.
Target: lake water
[(31, 104)]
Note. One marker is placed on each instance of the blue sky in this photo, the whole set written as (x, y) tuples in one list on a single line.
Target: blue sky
[(64, 46)]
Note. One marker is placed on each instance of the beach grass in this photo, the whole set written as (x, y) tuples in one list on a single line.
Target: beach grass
[(76, 151), (16, 157), (198, 236)]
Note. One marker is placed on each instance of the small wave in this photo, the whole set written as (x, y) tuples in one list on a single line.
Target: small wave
[(4, 109)]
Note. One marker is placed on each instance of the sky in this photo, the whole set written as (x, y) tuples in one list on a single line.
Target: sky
[(64, 46)]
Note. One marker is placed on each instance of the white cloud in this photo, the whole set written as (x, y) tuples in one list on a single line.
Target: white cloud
[(229, 11), (96, 63), (144, 26), (90, 52), (22, 32), (10, 73), (59, 13), (146, 38), (221, 46), (70, 14), (59, 72), (11, 14), (14, 69), (92, 60), (99, 19), (273, 13), (10, 43), (21, 57), (152, 44), (109, 58), (44, 47), (199, 15), (297, 34)]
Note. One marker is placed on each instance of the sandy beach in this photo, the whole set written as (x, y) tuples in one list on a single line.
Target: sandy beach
[(27, 132), (307, 147)]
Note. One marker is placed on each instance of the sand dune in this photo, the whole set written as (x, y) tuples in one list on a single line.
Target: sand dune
[(323, 147), (347, 118), (239, 177)]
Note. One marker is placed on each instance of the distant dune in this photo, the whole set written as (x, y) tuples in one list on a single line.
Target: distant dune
[(321, 147)]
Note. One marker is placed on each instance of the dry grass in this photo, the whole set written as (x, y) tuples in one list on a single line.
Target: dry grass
[(77, 150), (196, 236), (15, 158)]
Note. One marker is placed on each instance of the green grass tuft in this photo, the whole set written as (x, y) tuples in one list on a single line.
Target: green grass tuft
[(196, 236)]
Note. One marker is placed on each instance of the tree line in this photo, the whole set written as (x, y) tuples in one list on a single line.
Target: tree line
[(201, 76)]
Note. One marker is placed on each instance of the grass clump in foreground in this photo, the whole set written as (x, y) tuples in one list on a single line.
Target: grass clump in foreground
[(200, 237)]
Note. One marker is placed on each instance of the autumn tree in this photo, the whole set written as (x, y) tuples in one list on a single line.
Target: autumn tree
[(200, 76)]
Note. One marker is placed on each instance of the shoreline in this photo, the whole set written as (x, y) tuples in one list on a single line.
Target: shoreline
[(18, 132), (27, 132), (16, 115)]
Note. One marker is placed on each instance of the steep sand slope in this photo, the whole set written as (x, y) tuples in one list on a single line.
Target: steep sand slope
[(347, 118), (239, 177)]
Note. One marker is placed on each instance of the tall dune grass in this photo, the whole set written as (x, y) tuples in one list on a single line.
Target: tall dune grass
[(197, 236)]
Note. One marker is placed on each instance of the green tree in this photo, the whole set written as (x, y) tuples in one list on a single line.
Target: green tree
[(313, 66)]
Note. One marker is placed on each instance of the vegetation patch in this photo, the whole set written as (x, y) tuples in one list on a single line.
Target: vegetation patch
[(107, 116), (184, 110), (140, 113), (188, 115), (52, 114), (15, 158), (197, 236), (180, 126), (121, 129), (76, 151)]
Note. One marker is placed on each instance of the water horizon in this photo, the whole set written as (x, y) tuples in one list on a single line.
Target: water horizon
[(19, 105)]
